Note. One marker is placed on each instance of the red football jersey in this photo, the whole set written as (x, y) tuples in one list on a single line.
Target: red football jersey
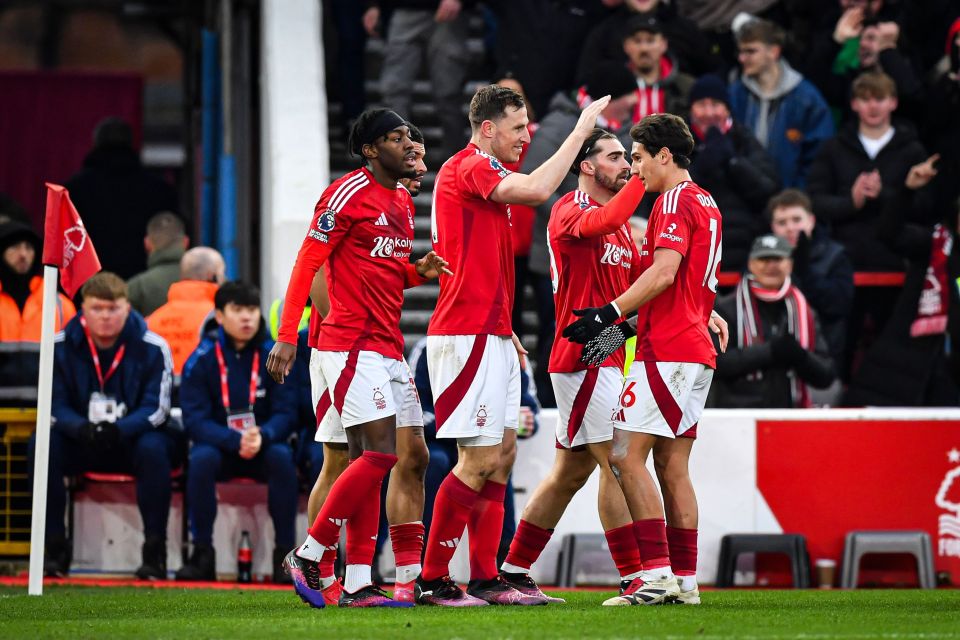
[(367, 232), (586, 272), (673, 326), (472, 233)]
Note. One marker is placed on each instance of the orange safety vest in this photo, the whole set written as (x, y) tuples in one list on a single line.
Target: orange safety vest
[(18, 327), (180, 321)]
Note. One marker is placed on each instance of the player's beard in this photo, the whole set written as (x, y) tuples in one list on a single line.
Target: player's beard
[(613, 184)]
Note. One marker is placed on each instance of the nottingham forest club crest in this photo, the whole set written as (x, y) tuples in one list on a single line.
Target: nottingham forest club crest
[(482, 416), (948, 499), (379, 400)]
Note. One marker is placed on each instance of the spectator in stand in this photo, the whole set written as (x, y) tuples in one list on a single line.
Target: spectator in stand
[(21, 303), (785, 111), (189, 304), (850, 182), (437, 30), (111, 400), (662, 86), (238, 427), (909, 365), (607, 79), (688, 47), (525, 30), (860, 43), (116, 196), (940, 126), (732, 165), (821, 268), (780, 350), (165, 243), (12, 211)]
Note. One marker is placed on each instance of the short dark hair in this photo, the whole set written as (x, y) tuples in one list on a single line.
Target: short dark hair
[(415, 134), (589, 147), (239, 293), (661, 130), (361, 127), (789, 198), (113, 133), (491, 102), (164, 229), (106, 286), (759, 30)]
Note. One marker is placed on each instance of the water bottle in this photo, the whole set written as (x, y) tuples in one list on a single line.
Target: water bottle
[(245, 559)]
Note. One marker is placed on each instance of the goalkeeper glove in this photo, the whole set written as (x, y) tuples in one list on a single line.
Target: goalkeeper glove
[(611, 339), (593, 320)]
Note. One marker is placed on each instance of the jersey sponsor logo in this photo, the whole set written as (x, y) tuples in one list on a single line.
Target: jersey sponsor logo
[(672, 227), (382, 220), (482, 416), (316, 235), (378, 400), (671, 237), (327, 221), (707, 201), (391, 247), (616, 255)]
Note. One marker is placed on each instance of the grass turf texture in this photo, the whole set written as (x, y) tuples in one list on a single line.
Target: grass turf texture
[(181, 614)]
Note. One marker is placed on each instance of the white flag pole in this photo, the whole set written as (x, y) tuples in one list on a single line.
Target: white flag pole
[(41, 460)]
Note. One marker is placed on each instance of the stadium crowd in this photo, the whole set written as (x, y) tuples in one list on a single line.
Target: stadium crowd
[(828, 132)]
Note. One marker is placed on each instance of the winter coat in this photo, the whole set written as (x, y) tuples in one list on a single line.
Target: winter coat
[(148, 290), (181, 320), (116, 196), (791, 123), (741, 177), (205, 417), (143, 380), (832, 175), (823, 272), (732, 389)]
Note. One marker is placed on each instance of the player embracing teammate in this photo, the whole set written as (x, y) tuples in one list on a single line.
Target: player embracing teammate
[(664, 393)]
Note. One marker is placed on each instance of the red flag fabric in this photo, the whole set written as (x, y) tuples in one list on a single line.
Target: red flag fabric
[(66, 244)]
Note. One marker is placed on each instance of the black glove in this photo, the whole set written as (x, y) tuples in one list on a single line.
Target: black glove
[(606, 344), (100, 435), (715, 152), (593, 320), (801, 253), (786, 350)]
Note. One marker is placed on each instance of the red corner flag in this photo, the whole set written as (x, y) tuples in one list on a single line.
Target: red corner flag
[(66, 244)]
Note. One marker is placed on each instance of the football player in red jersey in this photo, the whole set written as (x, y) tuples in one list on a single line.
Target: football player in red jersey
[(363, 230), (471, 349), (665, 391)]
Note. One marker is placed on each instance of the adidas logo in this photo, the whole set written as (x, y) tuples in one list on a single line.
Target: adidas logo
[(450, 544), (337, 521), (382, 220)]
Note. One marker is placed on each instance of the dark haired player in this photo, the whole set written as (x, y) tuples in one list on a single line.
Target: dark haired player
[(472, 353), (419, 148), (664, 393), (363, 229)]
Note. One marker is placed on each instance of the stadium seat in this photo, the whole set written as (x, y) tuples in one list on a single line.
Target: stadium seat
[(860, 543), (585, 559), (793, 545)]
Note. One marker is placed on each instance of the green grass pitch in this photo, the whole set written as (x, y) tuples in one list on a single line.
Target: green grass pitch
[(194, 614)]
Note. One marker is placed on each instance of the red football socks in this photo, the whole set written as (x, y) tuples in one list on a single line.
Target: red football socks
[(529, 542), (451, 510), (652, 540), (624, 549), (362, 528), (407, 542), (349, 493), (683, 550), (486, 527)]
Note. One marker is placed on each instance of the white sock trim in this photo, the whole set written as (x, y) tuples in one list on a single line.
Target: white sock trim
[(311, 549), (661, 573), (408, 572), (512, 568), (631, 576), (357, 577), (687, 583)]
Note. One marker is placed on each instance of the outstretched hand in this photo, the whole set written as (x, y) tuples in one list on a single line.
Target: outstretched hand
[(431, 266), (588, 117)]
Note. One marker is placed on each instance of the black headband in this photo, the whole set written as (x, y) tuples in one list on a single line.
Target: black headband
[(384, 124)]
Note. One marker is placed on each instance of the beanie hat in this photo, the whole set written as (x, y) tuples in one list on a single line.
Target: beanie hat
[(610, 79), (709, 86)]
